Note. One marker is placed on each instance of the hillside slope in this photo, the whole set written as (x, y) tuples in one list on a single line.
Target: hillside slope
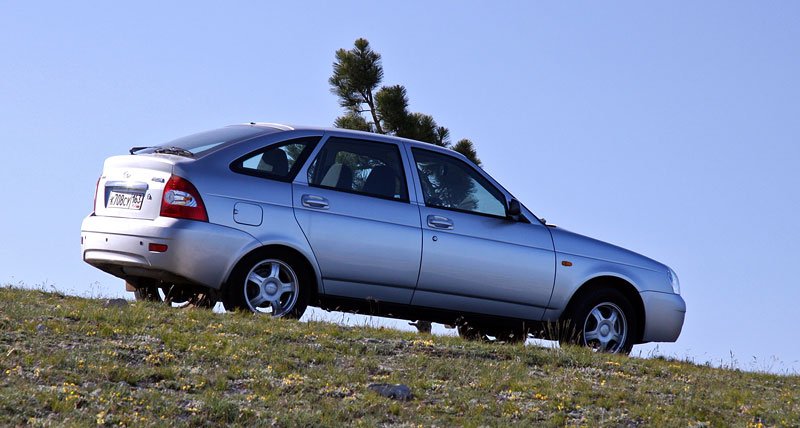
[(74, 361)]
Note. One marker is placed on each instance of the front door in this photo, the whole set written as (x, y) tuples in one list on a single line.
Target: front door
[(475, 259)]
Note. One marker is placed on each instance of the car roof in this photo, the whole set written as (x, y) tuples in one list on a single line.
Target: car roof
[(355, 133), (378, 137)]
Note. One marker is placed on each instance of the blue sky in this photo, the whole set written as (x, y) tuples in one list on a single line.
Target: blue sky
[(668, 128)]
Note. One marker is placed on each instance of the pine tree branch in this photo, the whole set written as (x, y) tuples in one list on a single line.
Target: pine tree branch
[(374, 113)]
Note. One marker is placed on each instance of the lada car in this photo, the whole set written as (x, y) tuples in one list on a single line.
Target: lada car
[(271, 218)]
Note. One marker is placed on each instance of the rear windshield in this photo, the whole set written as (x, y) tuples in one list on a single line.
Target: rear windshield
[(202, 142)]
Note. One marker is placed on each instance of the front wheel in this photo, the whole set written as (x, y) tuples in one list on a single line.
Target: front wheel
[(603, 320), (268, 284)]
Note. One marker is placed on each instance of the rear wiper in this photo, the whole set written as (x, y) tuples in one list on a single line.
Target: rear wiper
[(133, 150), (174, 151)]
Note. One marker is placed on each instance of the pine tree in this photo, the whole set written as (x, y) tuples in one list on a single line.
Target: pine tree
[(357, 73)]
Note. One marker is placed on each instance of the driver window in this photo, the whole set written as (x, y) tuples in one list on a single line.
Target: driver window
[(452, 184)]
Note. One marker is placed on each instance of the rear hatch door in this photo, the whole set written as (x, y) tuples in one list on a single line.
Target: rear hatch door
[(132, 186)]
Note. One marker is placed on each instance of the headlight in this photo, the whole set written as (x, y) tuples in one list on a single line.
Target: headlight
[(673, 280)]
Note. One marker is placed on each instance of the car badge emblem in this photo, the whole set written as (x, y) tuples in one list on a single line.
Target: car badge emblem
[(126, 174)]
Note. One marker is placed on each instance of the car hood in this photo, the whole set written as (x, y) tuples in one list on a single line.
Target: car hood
[(573, 243)]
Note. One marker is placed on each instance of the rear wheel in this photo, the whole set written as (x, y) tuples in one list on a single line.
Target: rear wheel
[(422, 326), (603, 320), (268, 283), (471, 332), (173, 295)]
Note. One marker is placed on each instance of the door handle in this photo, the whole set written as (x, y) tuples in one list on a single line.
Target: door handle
[(314, 201), (439, 222)]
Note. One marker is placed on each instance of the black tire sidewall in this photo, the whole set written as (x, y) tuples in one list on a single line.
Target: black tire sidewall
[(147, 294), (147, 291), (233, 291), (470, 332), (150, 293), (577, 316), (511, 335)]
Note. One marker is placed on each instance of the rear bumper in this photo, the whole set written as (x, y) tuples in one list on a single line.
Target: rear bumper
[(197, 253), (664, 314)]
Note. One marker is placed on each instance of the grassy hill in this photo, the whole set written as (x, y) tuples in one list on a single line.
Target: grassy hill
[(74, 361)]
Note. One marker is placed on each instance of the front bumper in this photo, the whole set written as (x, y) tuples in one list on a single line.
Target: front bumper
[(664, 314), (198, 253)]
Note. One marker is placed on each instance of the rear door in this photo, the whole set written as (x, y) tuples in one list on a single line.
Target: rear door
[(353, 206)]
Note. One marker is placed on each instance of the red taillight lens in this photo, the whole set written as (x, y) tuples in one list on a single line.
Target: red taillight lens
[(182, 200), (157, 248)]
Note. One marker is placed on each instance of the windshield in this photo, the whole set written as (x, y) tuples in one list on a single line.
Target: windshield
[(197, 144)]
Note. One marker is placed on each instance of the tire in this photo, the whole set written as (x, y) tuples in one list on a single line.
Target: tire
[(603, 320), (471, 332), (175, 296), (511, 335), (269, 283), (147, 293), (422, 326), (508, 335)]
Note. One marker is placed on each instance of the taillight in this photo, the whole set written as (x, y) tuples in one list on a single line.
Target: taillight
[(182, 200)]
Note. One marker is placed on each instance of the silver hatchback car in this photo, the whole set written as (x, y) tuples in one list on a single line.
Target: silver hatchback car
[(271, 218)]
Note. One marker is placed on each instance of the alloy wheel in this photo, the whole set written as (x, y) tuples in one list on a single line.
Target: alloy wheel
[(271, 287), (605, 328)]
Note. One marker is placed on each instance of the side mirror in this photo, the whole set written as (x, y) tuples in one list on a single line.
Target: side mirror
[(513, 210)]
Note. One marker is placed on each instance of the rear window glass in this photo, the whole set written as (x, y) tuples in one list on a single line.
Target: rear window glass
[(203, 142), (279, 161)]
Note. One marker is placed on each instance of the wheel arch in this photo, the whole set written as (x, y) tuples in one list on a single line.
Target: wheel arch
[(616, 283), (296, 254)]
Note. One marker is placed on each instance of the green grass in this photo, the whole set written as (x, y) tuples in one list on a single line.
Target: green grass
[(71, 361)]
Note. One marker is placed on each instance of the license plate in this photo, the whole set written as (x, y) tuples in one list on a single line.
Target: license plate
[(128, 201)]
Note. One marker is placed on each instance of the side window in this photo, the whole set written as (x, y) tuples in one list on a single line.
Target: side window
[(279, 161), (365, 167), (452, 184)]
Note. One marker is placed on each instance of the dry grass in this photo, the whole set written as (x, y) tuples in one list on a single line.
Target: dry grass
[(71, 361)]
